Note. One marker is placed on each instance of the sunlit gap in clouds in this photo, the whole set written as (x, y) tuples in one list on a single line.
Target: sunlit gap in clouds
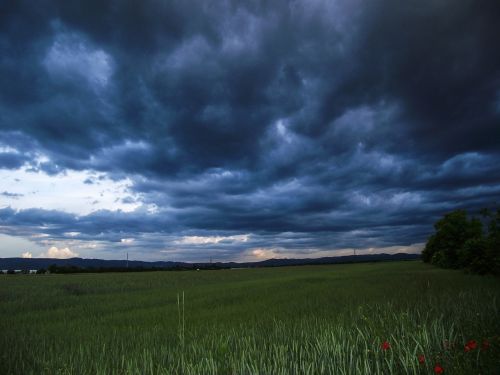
[(78, 192)]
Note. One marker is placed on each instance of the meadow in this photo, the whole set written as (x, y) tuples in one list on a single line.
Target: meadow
[(381, 318)]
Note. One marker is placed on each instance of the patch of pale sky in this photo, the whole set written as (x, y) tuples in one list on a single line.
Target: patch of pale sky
[(11, 246), (64, 192)]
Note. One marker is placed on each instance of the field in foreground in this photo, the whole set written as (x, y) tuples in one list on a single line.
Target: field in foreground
[(292, 320)]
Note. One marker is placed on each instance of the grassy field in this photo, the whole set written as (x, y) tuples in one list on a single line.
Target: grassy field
[(293, 320)]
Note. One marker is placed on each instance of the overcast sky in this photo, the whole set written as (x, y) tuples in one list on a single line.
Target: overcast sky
[(243, 130)]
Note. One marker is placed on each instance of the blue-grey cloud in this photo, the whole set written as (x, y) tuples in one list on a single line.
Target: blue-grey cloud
[(306, 124)]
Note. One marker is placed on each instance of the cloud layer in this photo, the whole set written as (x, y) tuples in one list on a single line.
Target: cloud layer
[(300, 127)]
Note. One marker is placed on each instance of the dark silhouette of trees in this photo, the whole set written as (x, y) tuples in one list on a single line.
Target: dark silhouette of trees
[(462, 242)]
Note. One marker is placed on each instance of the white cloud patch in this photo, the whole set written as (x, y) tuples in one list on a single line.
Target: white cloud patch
[(72, 234), (203, 240), (54, 252), (27, 255), (66, 192), (8, 149)]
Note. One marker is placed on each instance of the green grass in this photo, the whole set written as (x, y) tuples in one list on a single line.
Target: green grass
[(293, 320)]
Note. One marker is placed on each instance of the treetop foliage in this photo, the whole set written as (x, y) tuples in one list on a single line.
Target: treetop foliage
[(471, 243)]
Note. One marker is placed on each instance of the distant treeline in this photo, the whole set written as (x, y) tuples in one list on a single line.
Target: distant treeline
[(74, 269), (471, 243), (78, 265)]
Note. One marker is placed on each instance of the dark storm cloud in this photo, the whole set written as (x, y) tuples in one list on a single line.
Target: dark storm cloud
[(339, 121), (12, 160)]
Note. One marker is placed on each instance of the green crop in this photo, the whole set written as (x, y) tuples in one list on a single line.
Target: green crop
[(292, 320)]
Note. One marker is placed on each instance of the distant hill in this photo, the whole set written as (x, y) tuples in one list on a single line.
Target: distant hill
[(340, 259), (38, 263)]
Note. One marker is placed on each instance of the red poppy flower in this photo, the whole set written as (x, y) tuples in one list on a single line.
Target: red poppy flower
[(472, 344), (438, 369), (385, 345), (486, 345), (421, 358)]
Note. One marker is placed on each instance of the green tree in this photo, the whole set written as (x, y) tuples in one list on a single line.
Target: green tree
[(472, 255), (452, 231), (431, 248), (53, 268), (492, 253), (460, 242)]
